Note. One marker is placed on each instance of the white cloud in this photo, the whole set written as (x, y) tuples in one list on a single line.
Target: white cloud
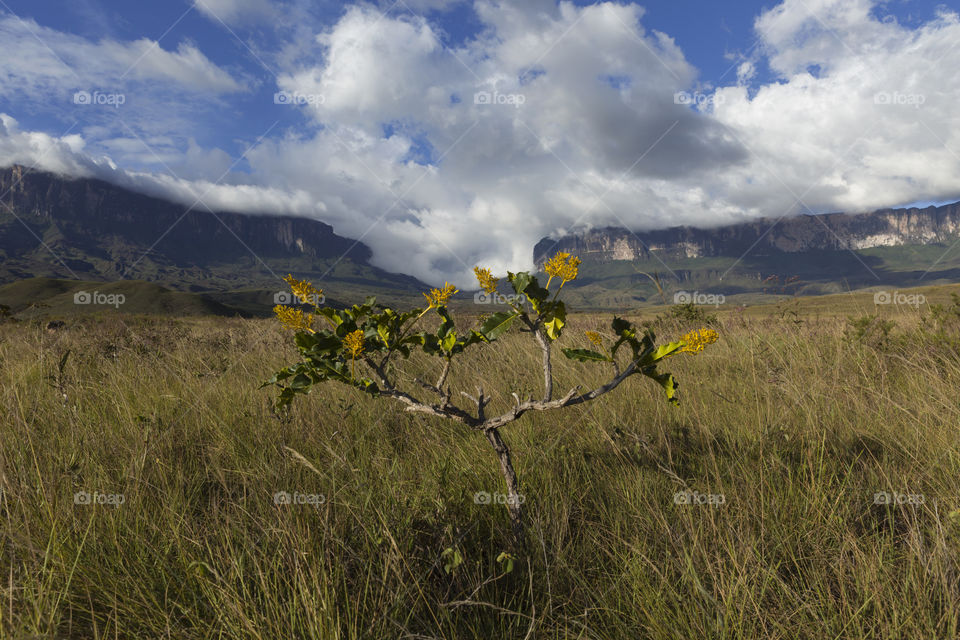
[(862, 113), (232, 12), (875, 126), (584, 116), (43, 63), (65, 155)]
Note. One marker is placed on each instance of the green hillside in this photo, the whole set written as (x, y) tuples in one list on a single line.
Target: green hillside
[(629, 284)]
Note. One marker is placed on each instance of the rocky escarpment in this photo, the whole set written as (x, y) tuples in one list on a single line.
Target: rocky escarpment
[(835, 231), (98, 217)]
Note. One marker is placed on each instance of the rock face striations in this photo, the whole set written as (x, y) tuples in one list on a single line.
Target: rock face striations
[(88, 229), (835, 231), (95, 217)]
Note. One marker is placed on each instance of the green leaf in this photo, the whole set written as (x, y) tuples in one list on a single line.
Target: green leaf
[(332, 315), (508, 558), (431, 344), (554, 327), (453, 559), (383, 330), (497, 324), (304, 340), (667, 381), (661, 352), (301, 381), (519, 281), (585, 355), (279, 376), (448, 341), (474, 338), (447, 325), (365, 384), (627, 334), (557, 314), (525, 284)]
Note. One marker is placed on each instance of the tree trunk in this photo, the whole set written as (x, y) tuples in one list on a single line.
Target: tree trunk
[(514, 499)]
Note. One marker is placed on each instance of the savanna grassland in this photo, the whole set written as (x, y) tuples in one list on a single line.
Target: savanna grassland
[(794, 420)]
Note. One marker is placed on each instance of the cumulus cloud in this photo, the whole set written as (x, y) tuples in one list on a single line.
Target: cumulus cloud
[(864, 114), (66, 155), (557, 117), (525, 127)]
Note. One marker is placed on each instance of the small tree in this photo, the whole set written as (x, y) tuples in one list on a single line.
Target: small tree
[(362, 344)]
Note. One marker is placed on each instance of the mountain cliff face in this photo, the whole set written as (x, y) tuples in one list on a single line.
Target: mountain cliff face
[(764, 237), (92, 212), (61, 227)]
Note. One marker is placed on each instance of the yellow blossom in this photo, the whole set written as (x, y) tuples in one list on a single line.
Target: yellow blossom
[(563, 266), (696, 341), (304, 291), (595, 338), (487, 282), (439, 297), (294, 319), (354, 343)]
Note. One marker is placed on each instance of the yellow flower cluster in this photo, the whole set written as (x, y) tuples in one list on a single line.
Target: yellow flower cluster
[(306, 292), (487, 282), (439, 297), (595, 338), (696, 341), (354, 343), (294, 319), (563, 266)]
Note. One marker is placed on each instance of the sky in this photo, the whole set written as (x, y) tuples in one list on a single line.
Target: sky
[(446, 133)]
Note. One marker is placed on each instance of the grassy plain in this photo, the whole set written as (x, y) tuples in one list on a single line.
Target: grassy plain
[(797, 417)]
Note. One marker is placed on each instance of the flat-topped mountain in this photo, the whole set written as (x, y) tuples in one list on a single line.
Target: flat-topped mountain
[(89, 229), (764, 236)]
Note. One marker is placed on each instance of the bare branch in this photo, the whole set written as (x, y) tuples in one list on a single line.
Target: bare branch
[(567, 401), (480, 422), (448, 411), (444, 410), (444, 373)]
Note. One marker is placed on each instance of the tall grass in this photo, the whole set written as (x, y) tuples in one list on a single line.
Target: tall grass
[(796, 424)]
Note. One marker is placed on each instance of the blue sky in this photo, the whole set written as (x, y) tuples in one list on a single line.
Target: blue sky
[(714, 36), (633, 114), (720, 35)]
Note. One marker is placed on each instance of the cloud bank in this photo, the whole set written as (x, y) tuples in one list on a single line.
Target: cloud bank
[(555, 117)]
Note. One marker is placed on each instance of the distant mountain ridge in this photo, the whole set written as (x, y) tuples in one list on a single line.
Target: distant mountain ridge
[(98, 231), (764, 236)]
